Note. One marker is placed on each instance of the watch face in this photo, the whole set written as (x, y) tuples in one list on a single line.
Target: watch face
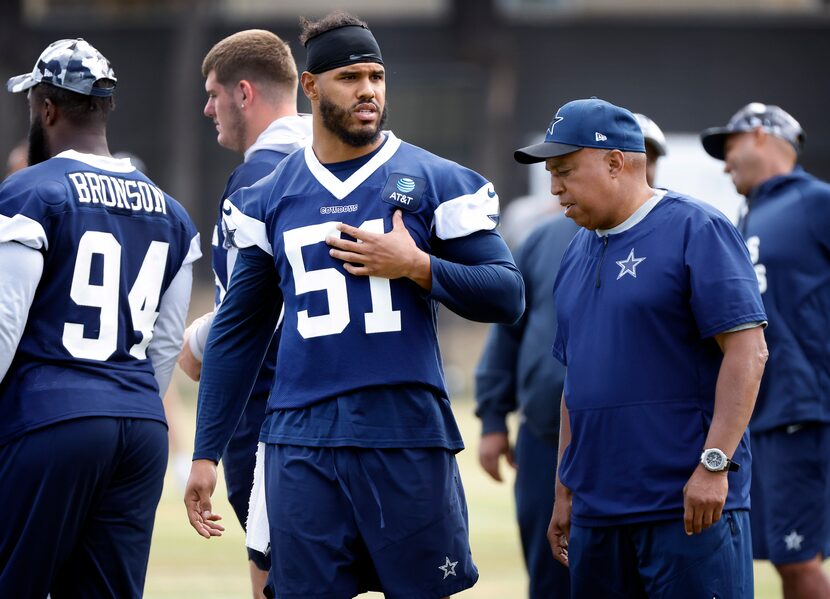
[(714, 460)]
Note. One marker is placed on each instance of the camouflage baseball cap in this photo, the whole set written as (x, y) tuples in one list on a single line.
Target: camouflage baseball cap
[(71, 64), (772, 119)]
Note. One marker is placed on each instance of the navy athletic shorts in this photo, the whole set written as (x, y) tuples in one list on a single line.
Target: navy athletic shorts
[(791, 493), (238, 463), (657, 560), (347, 520), (79, 500)]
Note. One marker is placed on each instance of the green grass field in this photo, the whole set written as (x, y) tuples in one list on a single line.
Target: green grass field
[(184, 565)]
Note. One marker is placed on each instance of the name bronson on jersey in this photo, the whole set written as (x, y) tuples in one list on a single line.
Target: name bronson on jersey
[(117, 192)]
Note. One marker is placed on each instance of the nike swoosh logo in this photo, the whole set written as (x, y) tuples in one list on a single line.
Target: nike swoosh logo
[(359, 56), (227, 210), (491, 193)]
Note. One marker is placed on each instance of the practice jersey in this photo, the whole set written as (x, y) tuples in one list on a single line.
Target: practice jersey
[(278, 140), (786, 231), (223, 255), (638, 308), (112, 242), (342, 332)]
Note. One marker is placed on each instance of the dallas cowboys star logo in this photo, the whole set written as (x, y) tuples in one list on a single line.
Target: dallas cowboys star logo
[(554, 123), (793, 541), (629, 265), (448, 568)]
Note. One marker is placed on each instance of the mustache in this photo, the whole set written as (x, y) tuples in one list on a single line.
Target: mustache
[(364, 102)]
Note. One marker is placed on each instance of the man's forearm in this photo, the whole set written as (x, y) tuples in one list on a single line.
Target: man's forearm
[(564, 441), (744, 356), (237, 342)]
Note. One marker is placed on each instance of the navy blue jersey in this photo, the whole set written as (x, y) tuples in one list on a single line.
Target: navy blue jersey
[(223, 254), (342, 333), (259, 164), (637, 312), (112, 243), (786, 231)]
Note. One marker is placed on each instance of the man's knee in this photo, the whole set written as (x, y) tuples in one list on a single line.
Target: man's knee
[(798, 570)]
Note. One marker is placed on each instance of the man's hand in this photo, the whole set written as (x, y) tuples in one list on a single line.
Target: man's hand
[(189, 364), (703, 499), (490, 449), (390, 255), (559, 529), (197, 493)]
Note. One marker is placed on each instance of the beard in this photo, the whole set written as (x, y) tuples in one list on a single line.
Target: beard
[(38, 147), (235, 130), (336, 120)]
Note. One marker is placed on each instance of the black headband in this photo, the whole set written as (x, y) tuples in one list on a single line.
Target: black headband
[(339, 47)]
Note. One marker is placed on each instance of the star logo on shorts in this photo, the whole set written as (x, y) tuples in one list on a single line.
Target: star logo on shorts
[(629, 265), (448, 568), (793, 541)]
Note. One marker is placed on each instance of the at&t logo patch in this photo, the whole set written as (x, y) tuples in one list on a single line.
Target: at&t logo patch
[(403, 191)]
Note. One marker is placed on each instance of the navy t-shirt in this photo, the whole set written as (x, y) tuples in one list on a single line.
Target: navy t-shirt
[(637, 311)]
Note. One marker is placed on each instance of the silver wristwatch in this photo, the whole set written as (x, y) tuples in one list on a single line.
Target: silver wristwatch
[(714, 460)]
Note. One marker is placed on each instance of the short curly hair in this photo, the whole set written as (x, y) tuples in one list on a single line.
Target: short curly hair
[(254, 54), (334, 20)]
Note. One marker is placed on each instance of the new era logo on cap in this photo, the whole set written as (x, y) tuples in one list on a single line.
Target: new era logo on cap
[(72, 64), (589, 123)]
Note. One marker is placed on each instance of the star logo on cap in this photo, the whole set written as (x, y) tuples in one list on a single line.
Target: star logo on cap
[(448, 568), (629, 265), (554, 123)]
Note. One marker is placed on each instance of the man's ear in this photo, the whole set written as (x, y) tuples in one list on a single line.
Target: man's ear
[(615, 160), (49, 112), (310, 87), (760, 136), (246, 92)]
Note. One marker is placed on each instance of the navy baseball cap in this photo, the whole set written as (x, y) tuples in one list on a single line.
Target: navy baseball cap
[(772, 119), (590, 123), (72, 64)]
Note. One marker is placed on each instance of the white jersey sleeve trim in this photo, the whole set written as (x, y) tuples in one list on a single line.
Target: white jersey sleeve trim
[(194, 252), (242, 230), (467, 214), (747, 325), (340, 189), (168, 331), (23, 229), (20, 271)]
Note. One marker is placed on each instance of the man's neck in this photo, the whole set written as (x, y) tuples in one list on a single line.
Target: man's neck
[(776, 169), (83, 141), (261, 121), (330, 149), (633, 201)]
